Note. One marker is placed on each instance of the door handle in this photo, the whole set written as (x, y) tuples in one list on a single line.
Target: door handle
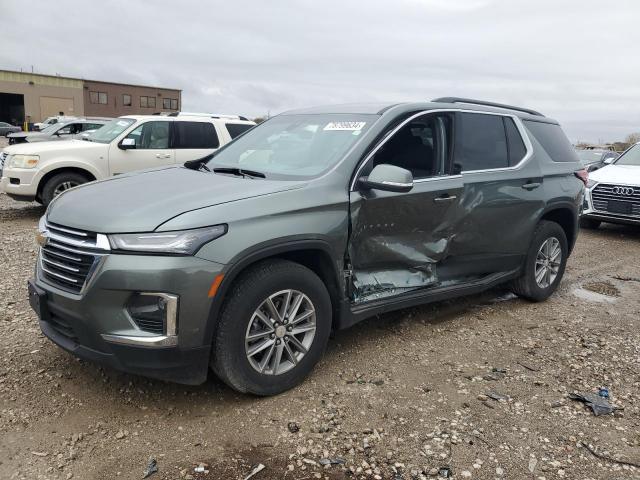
[(163, 155), (447, 198), (531, 185)]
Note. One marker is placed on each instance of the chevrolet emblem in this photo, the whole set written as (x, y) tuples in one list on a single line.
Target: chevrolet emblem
[(42, 238)]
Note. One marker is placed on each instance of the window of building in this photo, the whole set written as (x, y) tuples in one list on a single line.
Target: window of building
[(236, 129), (481, 142), (151, 135), (148, 102), (166, 103), (422, 146), (98, 97), (174, 104), (195, 135), (126, 100)]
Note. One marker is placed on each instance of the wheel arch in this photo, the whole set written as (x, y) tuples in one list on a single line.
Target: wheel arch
[(565, 215), (314, 254), (51, 173)]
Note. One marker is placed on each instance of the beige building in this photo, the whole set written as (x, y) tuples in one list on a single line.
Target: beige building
[(32, 97)]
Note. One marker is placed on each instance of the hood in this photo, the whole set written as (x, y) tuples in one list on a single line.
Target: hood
[(54, 147), (623, 174), (143, 201)]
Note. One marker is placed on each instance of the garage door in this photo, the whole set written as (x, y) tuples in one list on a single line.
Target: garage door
[(52, 106)]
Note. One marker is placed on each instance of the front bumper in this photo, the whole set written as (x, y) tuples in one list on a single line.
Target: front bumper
[(95, 324), (19, 183), (590, 212)]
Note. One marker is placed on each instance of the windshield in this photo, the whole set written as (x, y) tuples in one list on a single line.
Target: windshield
[(630, 157), (110, 130), (51, 128), (294, 146)]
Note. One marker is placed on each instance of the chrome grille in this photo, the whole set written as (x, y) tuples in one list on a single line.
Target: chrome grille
[(616, 199), (69, 256)]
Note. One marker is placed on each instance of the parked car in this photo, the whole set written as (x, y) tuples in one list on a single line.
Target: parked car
[(42, 171), (7, 128), (246, 259), (613, 192), (592, 160), (47, 122), (58, 131)]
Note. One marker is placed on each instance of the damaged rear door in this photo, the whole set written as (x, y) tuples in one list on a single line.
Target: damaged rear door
[(399, 240)]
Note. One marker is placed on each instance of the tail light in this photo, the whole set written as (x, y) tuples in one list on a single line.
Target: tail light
[(583, 175)]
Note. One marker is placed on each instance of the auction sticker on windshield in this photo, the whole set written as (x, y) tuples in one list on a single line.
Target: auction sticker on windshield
[(351, 126)]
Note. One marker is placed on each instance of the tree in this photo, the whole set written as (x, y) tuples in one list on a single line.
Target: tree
[(259, 119), (632, 138)]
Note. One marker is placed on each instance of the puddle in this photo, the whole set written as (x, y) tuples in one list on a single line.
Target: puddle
[(603, 288), (592, 296)]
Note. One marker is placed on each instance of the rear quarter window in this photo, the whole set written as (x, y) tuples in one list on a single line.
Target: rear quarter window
[(551, 137), (196, 135), (236, 129)]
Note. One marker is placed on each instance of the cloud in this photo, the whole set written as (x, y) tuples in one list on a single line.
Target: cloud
[(573, 60)]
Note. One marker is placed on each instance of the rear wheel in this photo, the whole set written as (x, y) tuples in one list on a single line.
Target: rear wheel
[(545, 263), (589, 223), (60, 183), (274, 327)]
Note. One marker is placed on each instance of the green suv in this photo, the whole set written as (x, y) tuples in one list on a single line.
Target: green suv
[(244, 261)]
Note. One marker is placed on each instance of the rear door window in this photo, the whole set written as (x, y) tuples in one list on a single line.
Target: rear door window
[(553, 140), (481, 142), (195, 135), (236, 129), (517, 150)]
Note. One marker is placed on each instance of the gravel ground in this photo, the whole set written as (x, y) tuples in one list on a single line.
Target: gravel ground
[(405, 395)]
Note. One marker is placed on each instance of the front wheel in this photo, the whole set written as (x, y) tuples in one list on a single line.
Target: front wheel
[(60, 183), (545, 263), (274, 327)]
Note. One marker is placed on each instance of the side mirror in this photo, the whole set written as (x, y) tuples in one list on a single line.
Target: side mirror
[(608, 161), (127, 144), (388, 178)]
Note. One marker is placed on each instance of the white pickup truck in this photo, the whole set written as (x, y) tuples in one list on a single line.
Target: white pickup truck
[(43, 170)]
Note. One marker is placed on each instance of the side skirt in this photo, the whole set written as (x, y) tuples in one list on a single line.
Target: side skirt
[(354, 314)]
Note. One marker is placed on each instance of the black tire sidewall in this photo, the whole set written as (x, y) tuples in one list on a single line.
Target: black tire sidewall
[(235, 320), (545, 231), (53, 182)]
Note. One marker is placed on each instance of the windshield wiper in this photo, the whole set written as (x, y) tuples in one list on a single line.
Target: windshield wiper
[(240, 172), (200, 163)]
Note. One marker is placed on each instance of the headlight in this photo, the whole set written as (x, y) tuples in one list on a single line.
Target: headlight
[(23, 161), (185, 242), (591, 183)]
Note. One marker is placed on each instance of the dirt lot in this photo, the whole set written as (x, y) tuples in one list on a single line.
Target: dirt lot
[(405, 395)]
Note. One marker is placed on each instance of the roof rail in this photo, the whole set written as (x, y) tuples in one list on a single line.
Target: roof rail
[(210, 115), (486, 104)]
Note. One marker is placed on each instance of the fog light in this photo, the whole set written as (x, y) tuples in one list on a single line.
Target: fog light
[(154, 312)]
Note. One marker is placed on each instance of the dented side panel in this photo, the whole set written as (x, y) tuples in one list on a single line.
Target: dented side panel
[(398, 240)]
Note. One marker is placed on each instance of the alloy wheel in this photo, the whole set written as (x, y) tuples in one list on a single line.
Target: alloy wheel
[(280, 332), (548, 261), (64, 186)]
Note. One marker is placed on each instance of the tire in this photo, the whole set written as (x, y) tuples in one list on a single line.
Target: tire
[(231, 360), (589, 223), (57, 183), (526, 285)]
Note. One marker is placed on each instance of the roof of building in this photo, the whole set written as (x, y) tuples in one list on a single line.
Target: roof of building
[(42, 75)]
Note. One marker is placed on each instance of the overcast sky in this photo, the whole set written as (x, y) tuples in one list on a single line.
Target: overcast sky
[(575, 60)]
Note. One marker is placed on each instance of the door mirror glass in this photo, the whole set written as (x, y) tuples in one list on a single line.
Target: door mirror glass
[(608, 161), (388, 178), (127, 144)]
